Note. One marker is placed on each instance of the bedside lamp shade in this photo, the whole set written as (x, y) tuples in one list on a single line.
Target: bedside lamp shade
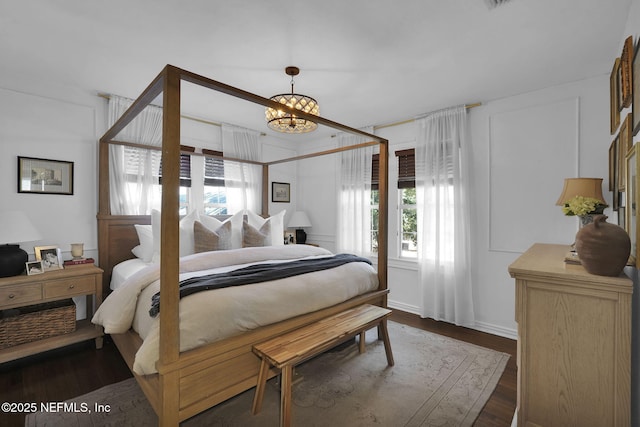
[(585, 187), (15, 228), (298, 220)]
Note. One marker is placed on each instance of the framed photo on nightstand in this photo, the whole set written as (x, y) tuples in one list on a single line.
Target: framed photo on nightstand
[(34, 267), (51, 257)]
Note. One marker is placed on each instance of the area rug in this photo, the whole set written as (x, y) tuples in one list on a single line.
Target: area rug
[(436, 381)]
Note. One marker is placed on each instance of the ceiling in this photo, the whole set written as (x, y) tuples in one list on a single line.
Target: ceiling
[(367, 62)]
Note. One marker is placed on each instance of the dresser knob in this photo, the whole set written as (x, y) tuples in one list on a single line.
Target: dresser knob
[(11, 296), (72, 286)]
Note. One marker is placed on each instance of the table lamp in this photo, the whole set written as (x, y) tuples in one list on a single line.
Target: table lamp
[(298, 220), (584, 187), (15, 228)]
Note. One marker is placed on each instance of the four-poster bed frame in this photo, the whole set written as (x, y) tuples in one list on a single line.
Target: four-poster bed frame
[(190, 382)]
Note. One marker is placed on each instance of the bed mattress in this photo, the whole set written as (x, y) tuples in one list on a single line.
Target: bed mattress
[(214, 315)]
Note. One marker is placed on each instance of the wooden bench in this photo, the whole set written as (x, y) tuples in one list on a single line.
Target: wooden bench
[(287, 350)]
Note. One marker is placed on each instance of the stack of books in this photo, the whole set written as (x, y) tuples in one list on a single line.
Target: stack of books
[(82, 262), (572, 258)]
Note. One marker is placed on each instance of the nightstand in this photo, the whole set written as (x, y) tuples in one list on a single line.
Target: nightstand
[(19, 291)]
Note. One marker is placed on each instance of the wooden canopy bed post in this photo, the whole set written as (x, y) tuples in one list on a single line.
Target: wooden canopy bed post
[(190, 382), (169, 262)]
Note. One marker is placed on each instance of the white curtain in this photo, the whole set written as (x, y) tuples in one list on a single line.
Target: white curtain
[(243, 181), (442, 185), (354, 196), (133, 171)]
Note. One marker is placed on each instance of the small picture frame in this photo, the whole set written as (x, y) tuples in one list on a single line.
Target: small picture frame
[(51, 257), (289, 238), (280, 192), (44, 176), (34, 267)]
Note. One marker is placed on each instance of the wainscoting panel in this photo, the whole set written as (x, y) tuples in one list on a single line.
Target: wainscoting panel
[(532, 150)]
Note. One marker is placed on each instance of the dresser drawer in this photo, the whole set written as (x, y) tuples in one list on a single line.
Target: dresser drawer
[(20, 294), (68, 287)]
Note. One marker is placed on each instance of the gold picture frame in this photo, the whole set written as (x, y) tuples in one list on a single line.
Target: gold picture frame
[(624, 146), (631, 200), (626, 72), (614, 96), (51, 257), (613, 157)]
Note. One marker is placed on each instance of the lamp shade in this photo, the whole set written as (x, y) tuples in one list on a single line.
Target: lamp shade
[(299, 219), (585, 187)]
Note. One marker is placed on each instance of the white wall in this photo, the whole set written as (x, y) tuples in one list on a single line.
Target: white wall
[(522, 149)]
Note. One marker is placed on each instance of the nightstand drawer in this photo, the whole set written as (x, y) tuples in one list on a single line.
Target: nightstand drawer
[(20, 294), (69, 287)]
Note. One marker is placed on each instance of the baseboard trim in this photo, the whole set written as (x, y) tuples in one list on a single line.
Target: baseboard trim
[(403, 307), (489, 328), (496, 330)]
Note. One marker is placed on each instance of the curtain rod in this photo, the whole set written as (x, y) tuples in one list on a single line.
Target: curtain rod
[(403, 122), (184, 116)]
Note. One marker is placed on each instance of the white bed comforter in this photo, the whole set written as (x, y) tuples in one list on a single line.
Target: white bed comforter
[(213, 315)]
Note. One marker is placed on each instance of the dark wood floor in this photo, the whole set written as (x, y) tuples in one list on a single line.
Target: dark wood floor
[(65, 373)]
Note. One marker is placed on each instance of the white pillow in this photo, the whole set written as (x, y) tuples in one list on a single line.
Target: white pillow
[(277, 226), (144, 250), (213, 224), (186, 233)]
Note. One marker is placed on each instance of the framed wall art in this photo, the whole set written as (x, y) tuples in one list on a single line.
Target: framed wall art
[(44, 176), (626, 72), (613, 157), (614, 96), (636, 92), (280, 192), (631, 200), (624, 145)]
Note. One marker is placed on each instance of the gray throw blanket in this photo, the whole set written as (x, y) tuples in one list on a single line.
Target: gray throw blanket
[(255, 274)]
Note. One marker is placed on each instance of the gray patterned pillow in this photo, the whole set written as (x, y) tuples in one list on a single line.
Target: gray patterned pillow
[(209, 240)]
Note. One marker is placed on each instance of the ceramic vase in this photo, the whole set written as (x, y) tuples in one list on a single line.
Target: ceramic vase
[(603, 248)]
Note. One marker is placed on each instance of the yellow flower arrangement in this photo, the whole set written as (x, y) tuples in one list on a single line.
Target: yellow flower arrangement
[(580, 206)]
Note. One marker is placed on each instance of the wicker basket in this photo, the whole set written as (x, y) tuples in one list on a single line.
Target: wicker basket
[(31, 323)]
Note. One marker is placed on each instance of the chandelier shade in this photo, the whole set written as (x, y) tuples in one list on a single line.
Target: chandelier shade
[(282, 120)]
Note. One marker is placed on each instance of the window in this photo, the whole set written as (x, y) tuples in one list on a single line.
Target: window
[(185, 179), (215, 193), (408, 213), (375, 180)]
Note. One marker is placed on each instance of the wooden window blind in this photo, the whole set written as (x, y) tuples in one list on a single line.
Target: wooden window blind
[(406, 168), (213, 168), (185, 167), (375, 171)]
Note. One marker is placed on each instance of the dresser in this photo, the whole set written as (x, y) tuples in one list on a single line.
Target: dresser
[(19, 291), (574, 342)]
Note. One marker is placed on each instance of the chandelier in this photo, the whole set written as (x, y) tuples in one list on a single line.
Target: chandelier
[(284, 121)]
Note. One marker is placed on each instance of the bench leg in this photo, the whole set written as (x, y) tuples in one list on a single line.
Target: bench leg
[(285, 396), (382, 328), (361, 346), (262, 381)]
